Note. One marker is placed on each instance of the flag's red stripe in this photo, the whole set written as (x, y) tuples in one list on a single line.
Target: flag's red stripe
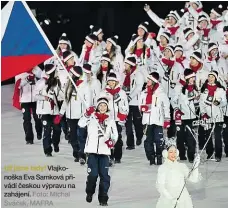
[(14, 65)]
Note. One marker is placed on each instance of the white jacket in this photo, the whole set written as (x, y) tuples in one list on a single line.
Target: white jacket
[(214, 112), (76, 107), (120, 105), (170, 181), (158, 111), (94, 57), (201, 76), (137, 81), (27, 91), (43, 106), (95, 142), (182, 102)]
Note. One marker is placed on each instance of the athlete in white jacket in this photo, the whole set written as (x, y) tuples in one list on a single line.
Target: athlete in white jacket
[(212, 100), (48, 95), (25, 84), (102, 135), (133, 84), (171, 179), (119, 109), (183, 103), (154, 105)]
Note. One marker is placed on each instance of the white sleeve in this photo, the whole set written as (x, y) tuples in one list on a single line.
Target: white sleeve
[(124, 106), (175, 99), (159, 22), (223, 101), (193, 13), (114, 132), (160, 184), (166, 105), (191, 42), (194, 176), (83, 121)]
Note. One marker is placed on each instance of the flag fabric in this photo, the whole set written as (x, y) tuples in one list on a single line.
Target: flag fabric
[(24, 44)]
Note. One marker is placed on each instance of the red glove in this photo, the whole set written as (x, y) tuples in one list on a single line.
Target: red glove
[(166, 124), (109, 143), (205, 116), (177, 116), (89, 111), (148, 52), (52, 104), (121, 116), (152, 35), (144, 108), (57, 119)]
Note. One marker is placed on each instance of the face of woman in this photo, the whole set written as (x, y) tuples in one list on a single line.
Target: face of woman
[(214, 53), (167, 53), (70, 62), (172, 154), (172, 21), (127, 67), (108, 45), (103, 108), (100, 36), (195, 6), (193, 61), (104, 63), (140, 44), (88, 44), (149, 82), (178, 54), (211, 79), (140, 32), (112, 84), (163, 40), (192, 80), (226, 36), (203, 24), (212, 16), (63, 46), (190, 36)]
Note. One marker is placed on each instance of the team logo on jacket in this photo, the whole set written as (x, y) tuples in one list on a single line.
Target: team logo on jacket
[(224, 126), (44, 123), (23, 110), (88, 170)]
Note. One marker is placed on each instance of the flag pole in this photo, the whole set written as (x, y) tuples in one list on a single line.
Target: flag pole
[(55, 54)]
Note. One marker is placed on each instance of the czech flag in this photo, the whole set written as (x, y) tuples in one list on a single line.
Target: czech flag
[(24, 44)]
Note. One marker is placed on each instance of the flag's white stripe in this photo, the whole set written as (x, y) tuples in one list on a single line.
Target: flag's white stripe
[(5, 15)]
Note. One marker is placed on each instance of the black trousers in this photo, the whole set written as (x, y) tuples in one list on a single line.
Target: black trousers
[(98, 165), (218, 141), (154, 135), (135, 117), (184, 137), (172, 129), (225, 134), (117, 152), (63, 121), (27, 110), (73, 131), (52, 133)]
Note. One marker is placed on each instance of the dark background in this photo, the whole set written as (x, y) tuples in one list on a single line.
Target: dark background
[(116, 18)]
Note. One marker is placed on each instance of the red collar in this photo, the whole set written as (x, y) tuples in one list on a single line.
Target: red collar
[(180, 60), (127, 80), (138, 52), (161, 48), (190, 88), (101, 117), (150, 92), (211, 89), (113, 91), (168, 62), (214, 23), (104, 69), (199, 10), (69, 67), (206, 32), (78, 82), (195, 68), (173, 30), (226, 41)]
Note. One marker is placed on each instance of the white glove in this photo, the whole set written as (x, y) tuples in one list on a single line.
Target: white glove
[(196, 161)]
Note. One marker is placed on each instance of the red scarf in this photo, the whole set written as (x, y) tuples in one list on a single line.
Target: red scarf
[(138, 52), (168, 62), (198, 10), (195, 68), (101, 117), (104, 69), (127, 80), (180, 60), (87, 53), (214, 23), (161, 48), (150, 92), (190, 88), (173, 30), (206, 32), (69, 67), (113, 91), (211, 89), (78, 82)]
